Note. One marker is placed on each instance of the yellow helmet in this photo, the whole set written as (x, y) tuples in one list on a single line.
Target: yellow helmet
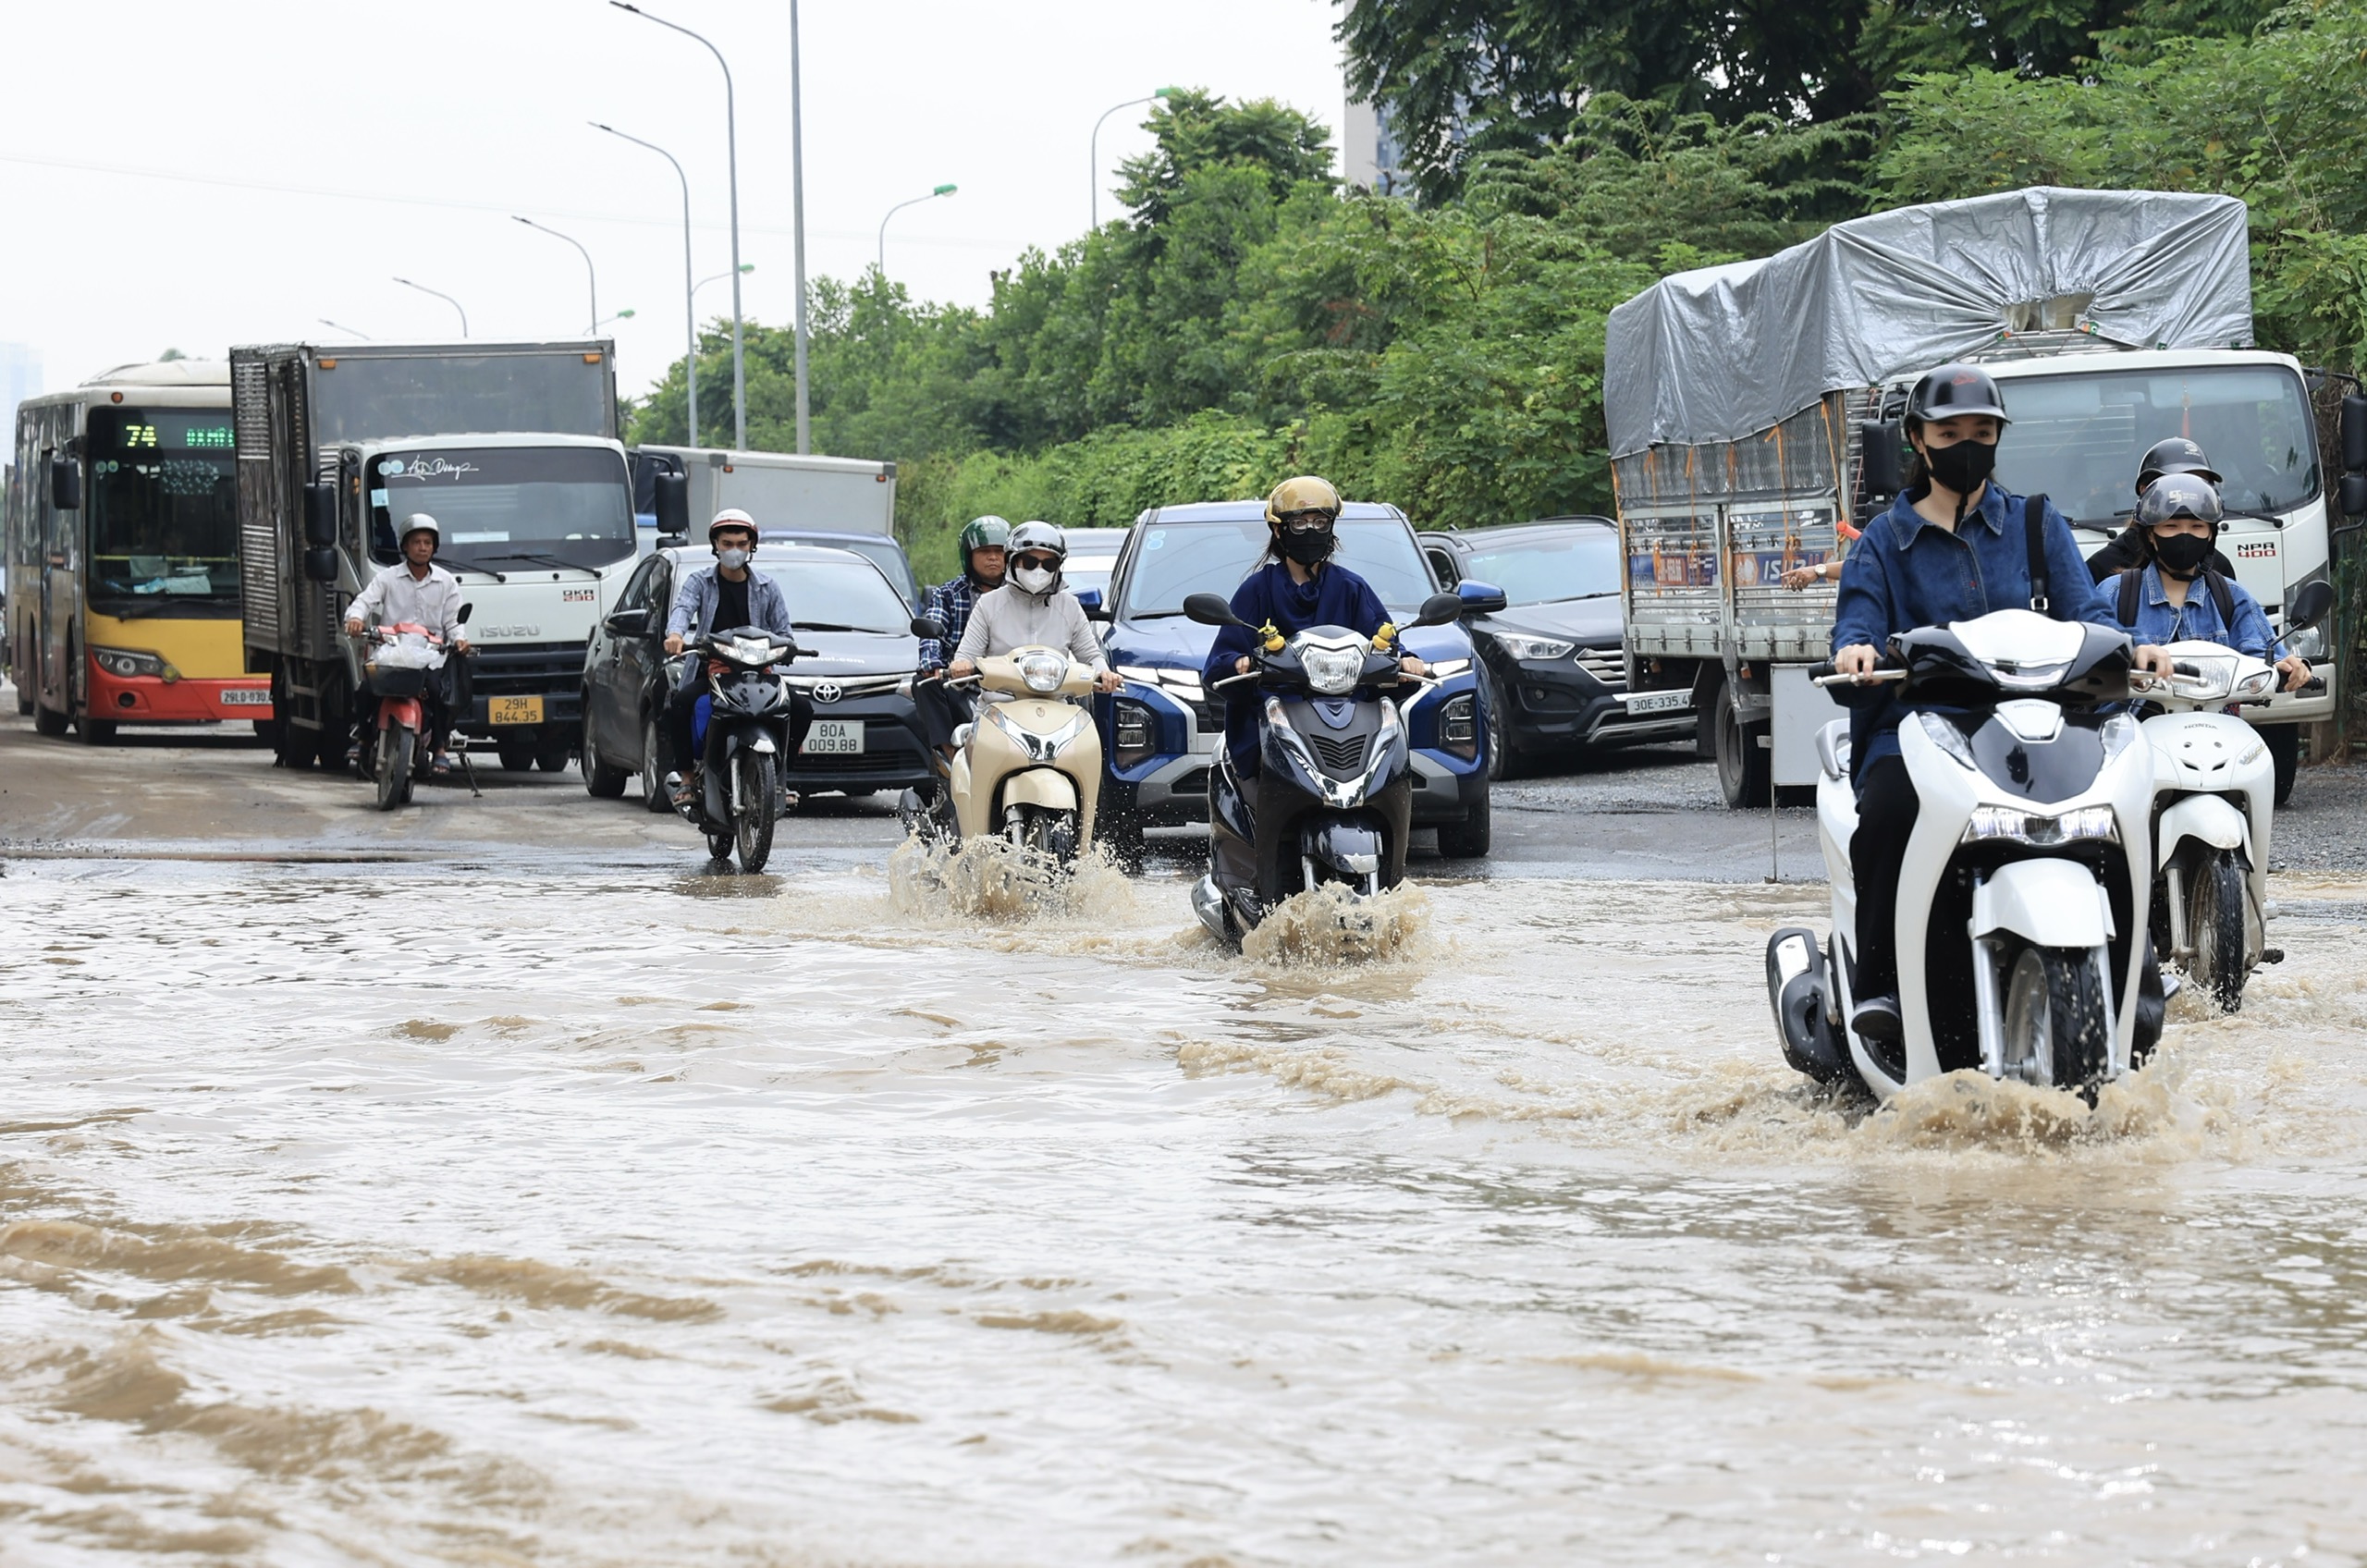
[(1305, 494)]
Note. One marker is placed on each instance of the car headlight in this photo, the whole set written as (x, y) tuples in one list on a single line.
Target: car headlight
[(1331, 670), (1131, 730), (1043, 672), (1459, 726), (1533, 648), (1949, 738), (2309, 643), (124, 664), (2012, 825)]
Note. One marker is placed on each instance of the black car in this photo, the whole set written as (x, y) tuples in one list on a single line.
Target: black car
[(853, 622), (1554, 658)]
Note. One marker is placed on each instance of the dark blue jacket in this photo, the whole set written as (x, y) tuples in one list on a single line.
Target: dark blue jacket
[(1906, 573), (1336, 597)]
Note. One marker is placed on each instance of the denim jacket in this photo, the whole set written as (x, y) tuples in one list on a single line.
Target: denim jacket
[(1906, 573), (2158, 620), (695, 604)]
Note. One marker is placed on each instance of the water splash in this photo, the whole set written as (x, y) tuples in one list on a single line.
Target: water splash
[(1327, 926), (993, 879)]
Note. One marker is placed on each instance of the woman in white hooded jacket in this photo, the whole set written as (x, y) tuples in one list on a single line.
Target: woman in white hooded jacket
[(1030, 609)]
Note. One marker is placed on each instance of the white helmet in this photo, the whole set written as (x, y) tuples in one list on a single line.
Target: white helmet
[(420, 523), (732, 517), (1036, 538)]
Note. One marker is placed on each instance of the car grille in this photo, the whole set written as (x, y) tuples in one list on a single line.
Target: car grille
[(1341, 758), (850, 686), (1606, 664), (525, 669)]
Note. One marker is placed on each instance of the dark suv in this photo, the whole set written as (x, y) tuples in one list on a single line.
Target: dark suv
[(1555, 656)]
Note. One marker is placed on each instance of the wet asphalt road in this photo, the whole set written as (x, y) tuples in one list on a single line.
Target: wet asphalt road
[(1651, 812)]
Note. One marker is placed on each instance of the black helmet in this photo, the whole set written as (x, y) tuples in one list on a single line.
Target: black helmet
[(1953, 389), (2177, 455), (2180, 494)]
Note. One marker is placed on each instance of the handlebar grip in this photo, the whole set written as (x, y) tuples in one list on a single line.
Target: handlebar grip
[(1820, 669), (2180, 667), (2313, 687)]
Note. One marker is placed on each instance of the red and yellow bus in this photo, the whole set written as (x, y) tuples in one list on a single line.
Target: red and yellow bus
[(122, 549)]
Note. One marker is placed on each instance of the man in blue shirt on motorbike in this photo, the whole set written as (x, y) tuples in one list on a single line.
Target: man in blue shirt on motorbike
[(722, 597), (1953, 545)]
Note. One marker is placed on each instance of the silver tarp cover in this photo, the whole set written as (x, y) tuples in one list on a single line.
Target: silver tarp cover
[(1722, 352)]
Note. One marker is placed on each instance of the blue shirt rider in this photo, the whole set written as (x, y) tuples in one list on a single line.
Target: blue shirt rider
[(722, 597), (1952, 547), (2177, 595)]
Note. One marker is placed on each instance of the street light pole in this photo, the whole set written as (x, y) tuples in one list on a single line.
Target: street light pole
[(797, 225), (690, 311), (719, 276), (347, 330), (941, 191), (1094, 152), (588, 272), (407, 283), (732, 145)]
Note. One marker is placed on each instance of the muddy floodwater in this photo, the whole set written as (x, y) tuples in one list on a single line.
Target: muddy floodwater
[(406, 1214)]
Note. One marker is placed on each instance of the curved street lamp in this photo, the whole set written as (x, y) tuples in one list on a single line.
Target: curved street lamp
[(690, 311), (1129, 104), (588, 271), (732, 150), (941, 191), (407, 283), (347, 330)]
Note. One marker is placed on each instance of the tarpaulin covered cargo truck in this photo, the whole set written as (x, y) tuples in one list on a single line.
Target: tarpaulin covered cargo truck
[(1741, 402), (511, 447)]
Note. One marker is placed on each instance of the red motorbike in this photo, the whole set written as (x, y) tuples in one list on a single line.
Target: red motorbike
[(398, 750)]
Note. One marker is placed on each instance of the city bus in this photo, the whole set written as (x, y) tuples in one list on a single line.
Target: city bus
[(122, 554)]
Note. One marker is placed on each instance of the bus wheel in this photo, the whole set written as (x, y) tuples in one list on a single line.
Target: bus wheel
[(49, 721), (95, 731)]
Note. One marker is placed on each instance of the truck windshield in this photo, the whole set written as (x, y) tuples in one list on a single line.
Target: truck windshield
[(1582, 564), (1181, 558), (2077, 436), (164, 510), (507, 508)]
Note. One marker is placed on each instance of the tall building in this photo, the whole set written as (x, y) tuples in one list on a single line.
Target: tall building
[(19, 379), (1369, 151)]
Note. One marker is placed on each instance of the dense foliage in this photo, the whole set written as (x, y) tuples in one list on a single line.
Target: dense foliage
[(1248, 318)]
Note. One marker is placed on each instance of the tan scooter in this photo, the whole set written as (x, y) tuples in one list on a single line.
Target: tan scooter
[(1029, 769)]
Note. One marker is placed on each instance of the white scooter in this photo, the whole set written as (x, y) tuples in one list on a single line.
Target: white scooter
[(2022, 897), (2213, 788)]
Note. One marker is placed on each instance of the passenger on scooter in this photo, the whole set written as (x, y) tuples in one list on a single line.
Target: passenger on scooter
[(2128, 549), (417, 592), (1297, 584), (945, 709), (722, 597), (2158, 602), (1952, 547), (1032, 609)]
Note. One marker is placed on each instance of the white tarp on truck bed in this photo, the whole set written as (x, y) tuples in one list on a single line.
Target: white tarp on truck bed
[(1722, 352)]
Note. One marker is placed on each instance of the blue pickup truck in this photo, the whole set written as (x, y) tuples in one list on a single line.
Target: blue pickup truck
[(1161, 733)]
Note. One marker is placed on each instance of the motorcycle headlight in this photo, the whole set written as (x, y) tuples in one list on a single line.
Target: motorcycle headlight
[(1533, 648), (750, 650), (1949, 738), (2014, 826), (1331, 670), (1043, 672)]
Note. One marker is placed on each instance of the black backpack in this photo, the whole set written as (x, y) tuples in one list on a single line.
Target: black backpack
[(2132, 583)]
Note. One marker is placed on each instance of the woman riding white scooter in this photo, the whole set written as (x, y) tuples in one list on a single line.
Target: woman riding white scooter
[(1952, 546)]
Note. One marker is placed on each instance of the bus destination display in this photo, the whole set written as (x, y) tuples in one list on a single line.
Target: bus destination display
[(135, 431)]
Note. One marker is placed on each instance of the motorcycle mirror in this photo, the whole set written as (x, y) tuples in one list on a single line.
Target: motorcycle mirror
[(2310, 603), (928, 626), (671, 501), (1209, 610), (465, 608), (1439, 609), (1880, 470)]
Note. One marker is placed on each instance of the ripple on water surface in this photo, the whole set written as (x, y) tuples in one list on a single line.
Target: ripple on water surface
[(886, 1217)]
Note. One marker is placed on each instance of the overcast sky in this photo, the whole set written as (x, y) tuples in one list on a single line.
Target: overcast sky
[(230, 171)]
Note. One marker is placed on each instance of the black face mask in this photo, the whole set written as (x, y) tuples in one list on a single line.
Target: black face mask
[(2180, 555), (1964, 467), (1309, 549)]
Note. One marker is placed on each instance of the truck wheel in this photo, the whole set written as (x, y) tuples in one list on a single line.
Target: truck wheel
[(1469, 839), (24, 701), (516, 753), (1742, 764), (2284, 751), (552, 751), (50, 722), (94, 731)]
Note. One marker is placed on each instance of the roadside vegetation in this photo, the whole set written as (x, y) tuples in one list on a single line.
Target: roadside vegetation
[(1442, 348)]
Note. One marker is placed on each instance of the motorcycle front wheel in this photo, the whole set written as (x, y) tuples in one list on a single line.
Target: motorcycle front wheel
[(757, 787), (2214, 921), (2054, 1020), (397, 744)]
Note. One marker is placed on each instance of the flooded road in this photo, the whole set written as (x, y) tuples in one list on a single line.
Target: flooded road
[(518, 1214)]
